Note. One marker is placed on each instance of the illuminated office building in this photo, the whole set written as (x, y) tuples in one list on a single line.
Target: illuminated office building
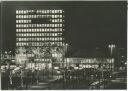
[(39, 28)]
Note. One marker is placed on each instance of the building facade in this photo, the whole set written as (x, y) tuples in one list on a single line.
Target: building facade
[(38, 28)]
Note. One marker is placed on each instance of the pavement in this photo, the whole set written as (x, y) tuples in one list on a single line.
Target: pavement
[(42, 85), (39, 86)]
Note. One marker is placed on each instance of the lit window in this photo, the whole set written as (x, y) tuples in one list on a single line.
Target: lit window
[(16, 11), (23, 21), (20, 21), (25, 30), (60, 16), (47, 11), (52, 16), (16, 44), (52, 11), (38, 39), (17, 25), (17, 30), (42, 11), (25, 12), (21, 11), (60, 25), (55, 11), (16, 21), (60, 20), (55, 16), (17, 16), (60, 11), (22, 16)]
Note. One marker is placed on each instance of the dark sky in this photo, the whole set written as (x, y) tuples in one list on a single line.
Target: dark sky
[(89, 25), (104, 24)]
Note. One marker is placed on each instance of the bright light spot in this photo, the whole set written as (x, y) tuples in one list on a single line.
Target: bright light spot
[(5, 52), (58, 72), (56, 68), (50, 65), (68, 60), (75, 67), (13, 60), (84, 66)]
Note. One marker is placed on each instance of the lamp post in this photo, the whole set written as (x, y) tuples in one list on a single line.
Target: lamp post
[(66, 49), (111, 47)]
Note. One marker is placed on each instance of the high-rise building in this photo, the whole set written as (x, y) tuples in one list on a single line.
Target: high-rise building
[(36, 27), (39, 28)]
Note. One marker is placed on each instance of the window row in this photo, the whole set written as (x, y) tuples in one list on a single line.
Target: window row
[(51, 20), (40, 30), (38, 34), (39, 25), (45, 59), (38, 11), (95, 61), (24, 55), (23, 21), (37, 43), (39, 16), (40, 39)]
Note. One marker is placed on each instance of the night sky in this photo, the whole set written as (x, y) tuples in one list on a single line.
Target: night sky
[(89, 25)]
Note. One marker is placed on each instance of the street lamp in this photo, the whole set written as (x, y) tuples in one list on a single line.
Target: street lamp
[(5, 52), (66, 49), (112, 46)]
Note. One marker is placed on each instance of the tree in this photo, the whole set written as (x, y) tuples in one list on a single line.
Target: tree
[(21, 56)]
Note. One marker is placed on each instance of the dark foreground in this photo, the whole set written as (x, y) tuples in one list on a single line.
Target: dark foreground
[(67, 80)]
